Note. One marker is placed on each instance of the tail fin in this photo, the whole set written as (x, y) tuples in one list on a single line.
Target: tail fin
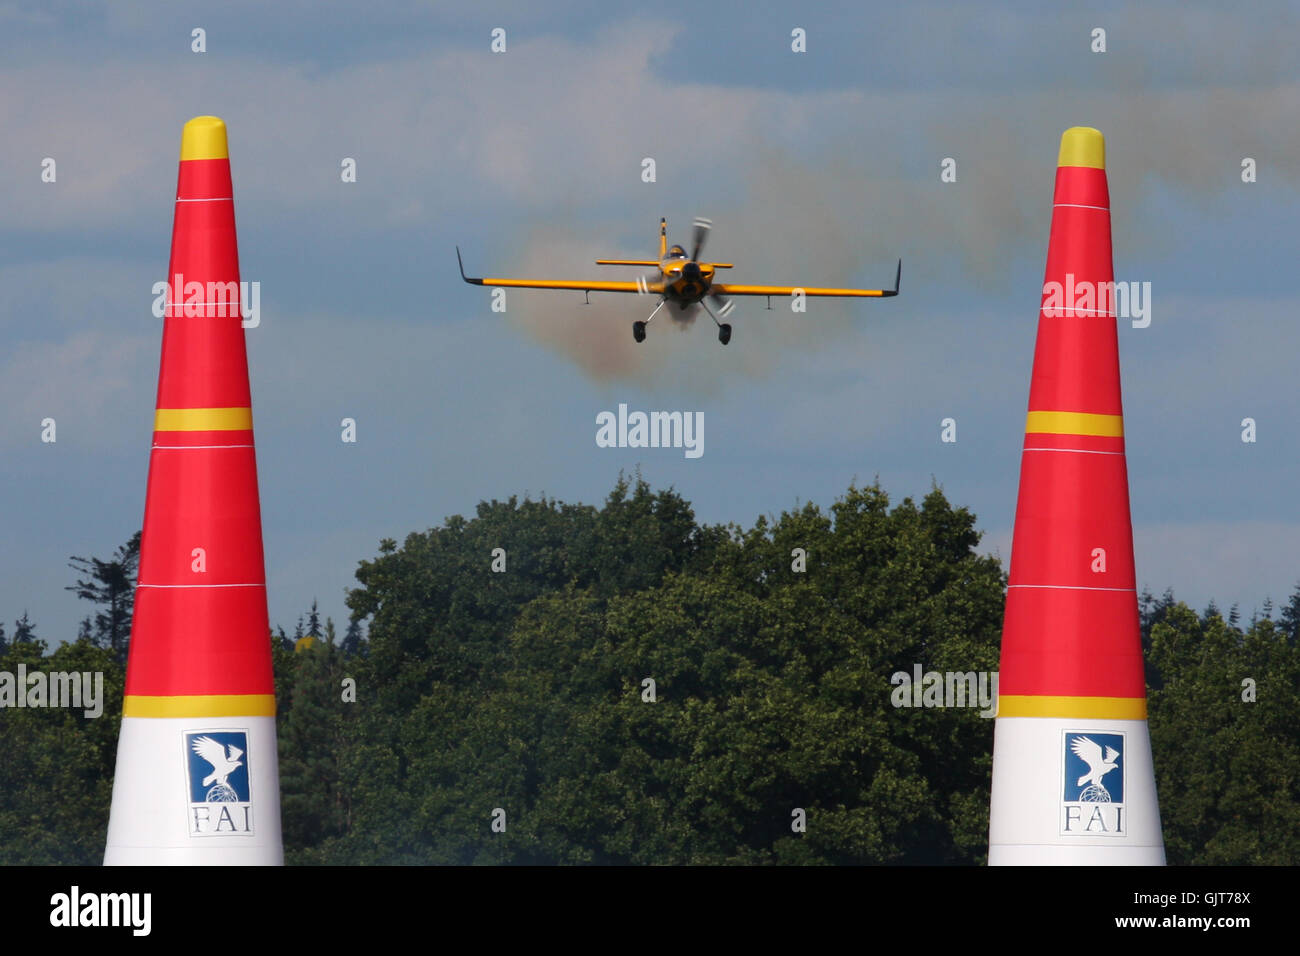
[(663, 238)]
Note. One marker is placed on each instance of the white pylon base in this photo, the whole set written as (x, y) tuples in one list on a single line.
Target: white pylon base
[(164, 813), (1041, 814)]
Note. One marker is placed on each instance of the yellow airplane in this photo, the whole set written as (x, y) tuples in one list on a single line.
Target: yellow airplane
[(682, 280)]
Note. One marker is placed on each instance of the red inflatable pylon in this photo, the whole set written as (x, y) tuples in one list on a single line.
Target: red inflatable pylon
[(197, 778), (1072, 690)]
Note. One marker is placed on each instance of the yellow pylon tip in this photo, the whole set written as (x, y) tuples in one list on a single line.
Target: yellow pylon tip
[(204, 138), (1083, 146)]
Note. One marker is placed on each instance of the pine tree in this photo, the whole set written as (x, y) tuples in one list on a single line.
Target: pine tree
[(1290, 619), (352, 640), (313, 621), (110, 584), (25, 633), (24, 630), (4, 643), (312, 746), (1152, 611)]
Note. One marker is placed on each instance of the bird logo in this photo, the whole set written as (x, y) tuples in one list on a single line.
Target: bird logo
[(225, 761), (1099, 764)]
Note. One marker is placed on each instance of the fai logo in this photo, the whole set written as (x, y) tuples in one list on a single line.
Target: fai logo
[(1092, 802), (220, 789)]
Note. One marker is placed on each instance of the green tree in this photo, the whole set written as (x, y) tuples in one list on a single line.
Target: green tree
[(523, 690), (637, 688), (1223, 734), (353, 641), (1289, 619), (25, 633), (110, 584), (313, 621), (313, 742), (56, 775)]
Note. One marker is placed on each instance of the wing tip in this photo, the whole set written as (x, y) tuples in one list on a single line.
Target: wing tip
[(898, 280), (460, 262)]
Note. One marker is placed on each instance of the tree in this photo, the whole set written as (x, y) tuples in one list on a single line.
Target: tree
[(25, 633), (525, 690), (1289, 620), (313, 621), (353, 642), (56, 776), (638, 688), (1223, 740), (110, 584), (315, 743)]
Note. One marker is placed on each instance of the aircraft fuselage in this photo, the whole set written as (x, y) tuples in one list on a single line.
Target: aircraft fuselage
[(685, 282)]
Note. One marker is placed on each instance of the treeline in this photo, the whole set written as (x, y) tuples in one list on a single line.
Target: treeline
[(554, 683)]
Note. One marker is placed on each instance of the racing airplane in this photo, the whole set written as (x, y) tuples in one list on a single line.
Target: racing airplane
[(682, 281)]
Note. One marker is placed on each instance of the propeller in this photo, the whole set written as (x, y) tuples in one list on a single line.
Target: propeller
[(702, 227), (723, 304), (720, 301)]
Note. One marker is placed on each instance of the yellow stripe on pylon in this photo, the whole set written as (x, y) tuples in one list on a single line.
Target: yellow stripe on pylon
[(1075, 708), (206, 705), (203, 419), (1075, 423)]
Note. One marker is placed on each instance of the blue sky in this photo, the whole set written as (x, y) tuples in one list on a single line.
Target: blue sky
[(817, 168)]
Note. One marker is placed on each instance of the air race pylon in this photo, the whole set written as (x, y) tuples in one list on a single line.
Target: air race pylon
[(197, 780), (1072, 776)]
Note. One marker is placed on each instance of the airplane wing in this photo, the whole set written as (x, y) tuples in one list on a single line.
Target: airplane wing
[(582, 285), (731, 289)]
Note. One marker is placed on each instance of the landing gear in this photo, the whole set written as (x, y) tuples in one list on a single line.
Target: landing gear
[(724, 328), (638, 328)]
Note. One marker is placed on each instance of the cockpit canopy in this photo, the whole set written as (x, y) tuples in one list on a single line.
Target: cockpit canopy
[(676, 252)]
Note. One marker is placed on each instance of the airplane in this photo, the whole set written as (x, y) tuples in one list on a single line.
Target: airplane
[(682, 280)]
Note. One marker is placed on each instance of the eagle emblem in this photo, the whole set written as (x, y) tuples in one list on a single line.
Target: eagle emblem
[(225, 761)]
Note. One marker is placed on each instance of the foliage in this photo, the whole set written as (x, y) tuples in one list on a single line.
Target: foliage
[(110, 584), (525, 691)]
